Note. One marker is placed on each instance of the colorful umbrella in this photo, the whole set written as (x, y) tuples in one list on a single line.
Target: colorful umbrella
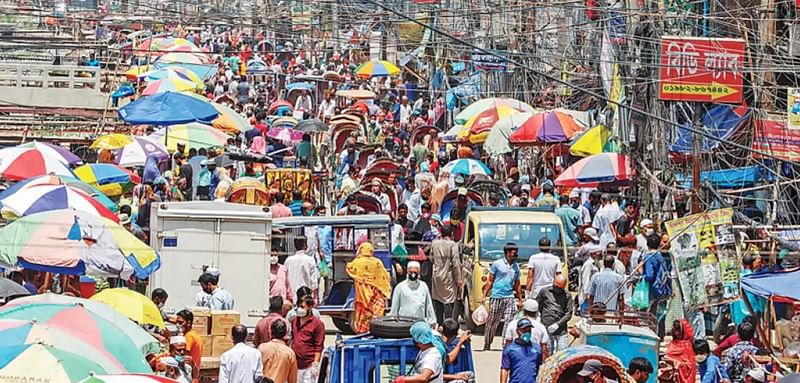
[(478, 127), (111, 141), (170, 85), (41, 363), (590, 142), (194, 135), (143, 341), (597, 169), (286, 122), (173, 73), (56, 180), (168, 108), (85, 241), (81, 323), (497, 140), (546, 128), (55, 151), (19, 163), (133, 305), (486, 103), (9, 288), (183, 58), (466, 166), (376, 68), (39, 198), (136, 153), (229, 120), (279, 104), (128, 378), (103, 174), (15, 332), (285, 134), (136, 72)]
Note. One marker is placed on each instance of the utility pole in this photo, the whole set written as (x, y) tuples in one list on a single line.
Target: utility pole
[(696, 153)]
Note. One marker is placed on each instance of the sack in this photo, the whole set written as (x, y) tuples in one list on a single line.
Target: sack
[(480, 315), (640, 299)]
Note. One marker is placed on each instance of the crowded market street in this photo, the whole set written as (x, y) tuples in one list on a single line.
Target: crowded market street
[(399, 192)]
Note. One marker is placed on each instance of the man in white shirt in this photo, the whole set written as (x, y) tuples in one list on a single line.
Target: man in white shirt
[(303, 103), (405, 111), (412, 298), (302, 268), (242, 363), (327, 108), (382, 197), (530, 310), (542, 268), (605, 217)]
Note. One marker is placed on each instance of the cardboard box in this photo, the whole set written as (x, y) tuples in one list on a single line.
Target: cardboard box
[(223, 321), (220, 344), (207, 345), (202, 320)]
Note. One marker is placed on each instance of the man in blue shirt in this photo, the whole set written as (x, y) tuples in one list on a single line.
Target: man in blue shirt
[(571, 218), (503, 284), (521, 358), (708, 365)]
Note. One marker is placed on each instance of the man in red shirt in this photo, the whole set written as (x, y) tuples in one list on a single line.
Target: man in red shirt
[(263, 334), (309, 339)]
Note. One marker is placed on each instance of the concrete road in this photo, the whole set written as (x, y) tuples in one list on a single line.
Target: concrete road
[(487, 363)]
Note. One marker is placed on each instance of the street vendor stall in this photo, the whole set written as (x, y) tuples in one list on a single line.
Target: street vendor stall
[(781, 291)]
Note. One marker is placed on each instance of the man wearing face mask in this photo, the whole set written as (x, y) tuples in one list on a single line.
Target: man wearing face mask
[(708, 365), (412, 298), (503, 285), (213, 296), (308, 342), (646, 229), (521, 358), (593, 372), (556, 305), (279, 285)]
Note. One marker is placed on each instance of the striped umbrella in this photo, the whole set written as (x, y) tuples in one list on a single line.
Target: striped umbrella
[(19, 163), (546, 128), (39, 198), (194, 135), (56, 180), (182, 58), (42, 363), (590, 142), (143, 341), (477, 128), (136, 153), (486, 103), (466, 166), (170, 85), (56, 151), (285, 134), (104, 174), (597, 169), (229, 120), (128, 378), (172, 73), (376, 68)]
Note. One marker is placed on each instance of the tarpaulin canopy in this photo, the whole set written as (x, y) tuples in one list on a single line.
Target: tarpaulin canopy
[(726, 178), (721, 121), (781, 285)]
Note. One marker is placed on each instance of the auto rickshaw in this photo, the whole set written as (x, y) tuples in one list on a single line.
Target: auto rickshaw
[(563, 366)]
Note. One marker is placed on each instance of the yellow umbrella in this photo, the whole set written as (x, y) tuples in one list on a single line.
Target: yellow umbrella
[(133, 305), (111, 141), (229, 121), (590, 142), (137, 71)]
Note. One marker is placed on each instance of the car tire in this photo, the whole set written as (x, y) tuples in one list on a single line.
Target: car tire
[(392, 327)]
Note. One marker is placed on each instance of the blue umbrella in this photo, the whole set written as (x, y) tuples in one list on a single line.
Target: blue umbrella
[(168, 108), (466, 166)]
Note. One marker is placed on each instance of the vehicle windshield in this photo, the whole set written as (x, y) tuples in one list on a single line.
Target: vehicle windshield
[(494, 236)]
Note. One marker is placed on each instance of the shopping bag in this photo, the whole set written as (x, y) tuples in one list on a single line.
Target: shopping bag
[(640, 299), (480, 315)]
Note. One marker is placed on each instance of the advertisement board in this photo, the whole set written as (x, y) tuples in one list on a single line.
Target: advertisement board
[(701, 69), (776, 139), (793, 108)]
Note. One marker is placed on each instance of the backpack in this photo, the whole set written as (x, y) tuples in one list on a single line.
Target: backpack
[(662, 284)]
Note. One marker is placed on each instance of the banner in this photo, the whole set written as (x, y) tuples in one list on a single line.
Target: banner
[(289, 180), (701, 69), (793, 108), (776, 139), (487, 62), (702, 247)]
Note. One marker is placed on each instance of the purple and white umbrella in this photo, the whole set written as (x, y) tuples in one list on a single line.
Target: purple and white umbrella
[(136, 153)]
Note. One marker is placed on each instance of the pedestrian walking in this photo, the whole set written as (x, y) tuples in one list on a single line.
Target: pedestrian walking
[(530, 311), (279, 361), (242, 363), (542, 268), (411, 297), (262, 332), (605, 286), (556, 305), (308, 341), (502, 287), (446, 280), (302, 268), (372, 284)]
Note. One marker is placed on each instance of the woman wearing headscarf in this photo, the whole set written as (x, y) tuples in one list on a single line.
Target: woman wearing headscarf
[(372, 286), (151, 171), (429, 364), (680, 352), (224, 184)]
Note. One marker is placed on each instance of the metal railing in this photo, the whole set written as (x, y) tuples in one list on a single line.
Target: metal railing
[(45, 76)]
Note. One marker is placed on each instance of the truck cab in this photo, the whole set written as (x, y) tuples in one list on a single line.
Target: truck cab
[(369, 359), (487, 232)]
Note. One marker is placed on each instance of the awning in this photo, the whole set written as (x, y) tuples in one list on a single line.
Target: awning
[(780, 285), (725, 179), (721, 121)]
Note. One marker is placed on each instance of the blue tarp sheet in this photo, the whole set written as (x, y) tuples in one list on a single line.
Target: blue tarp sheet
[(721, 121), (725, 179), (783, 284)]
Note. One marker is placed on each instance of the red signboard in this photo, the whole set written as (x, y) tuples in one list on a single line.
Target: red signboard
[(701, 69), (775, 138)]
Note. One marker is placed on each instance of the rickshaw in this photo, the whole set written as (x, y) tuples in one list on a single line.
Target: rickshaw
[(422, 131), (225, 99), (380, 169), (563, 366), (340, 136), (293, 91), (365, 190), (249, 191), (276, 106), (345, 119), (450, 200), (489, 187), (364, 200), (364, 151)]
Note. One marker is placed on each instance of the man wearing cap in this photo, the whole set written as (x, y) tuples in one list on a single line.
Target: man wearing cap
[(593, 372), (522, 357), (646, 228), (593, 252), (204, 181), (125, 221), (172, 369), (377, 189), (412, 298), (212, 296), (530, 311), (502, 287)]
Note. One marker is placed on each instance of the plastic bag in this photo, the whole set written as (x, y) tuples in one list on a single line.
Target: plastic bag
[(480, 315), (641, 296), (324, 268)]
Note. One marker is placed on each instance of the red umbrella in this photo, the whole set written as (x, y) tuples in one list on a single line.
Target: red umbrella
[(597, 169), (277, 104), (546, 128)]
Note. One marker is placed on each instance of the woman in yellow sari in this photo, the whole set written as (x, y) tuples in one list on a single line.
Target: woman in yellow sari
[(372, 287)]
